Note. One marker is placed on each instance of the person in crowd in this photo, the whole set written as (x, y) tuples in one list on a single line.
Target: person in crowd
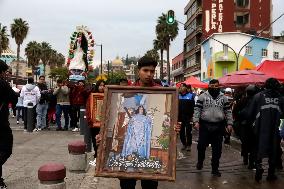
[(146, 72), (212, 114), (20, 109), (228, 93), (30, 94), (42, 106), (62, 96), (244, 127), (123, 82), (185, 113), (99, 88), (78, 95), (51, 111), (7, 95), (265, 112)]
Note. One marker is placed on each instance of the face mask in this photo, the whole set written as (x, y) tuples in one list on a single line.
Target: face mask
[(214, 92)]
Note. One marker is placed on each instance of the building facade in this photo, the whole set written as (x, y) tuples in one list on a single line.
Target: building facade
[(216, 16), (177, 68), (217, 60)]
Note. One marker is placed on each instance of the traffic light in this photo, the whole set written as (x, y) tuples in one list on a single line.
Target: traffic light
[(171, 17)]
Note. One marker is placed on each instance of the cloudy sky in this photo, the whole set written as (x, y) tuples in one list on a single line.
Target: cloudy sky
[(122, 26)]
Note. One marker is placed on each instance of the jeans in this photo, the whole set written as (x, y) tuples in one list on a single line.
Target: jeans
[(185, 134), (41, 111), (59, 110), (20, 113), (74, 115)]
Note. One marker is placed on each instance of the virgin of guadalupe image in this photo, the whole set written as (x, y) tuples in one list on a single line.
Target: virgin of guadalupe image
[(138, 136), (78, 64)]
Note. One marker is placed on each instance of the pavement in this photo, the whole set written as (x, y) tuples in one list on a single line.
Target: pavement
[(31, 150)]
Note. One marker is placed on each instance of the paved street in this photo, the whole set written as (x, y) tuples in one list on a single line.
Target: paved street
[(31, 150)]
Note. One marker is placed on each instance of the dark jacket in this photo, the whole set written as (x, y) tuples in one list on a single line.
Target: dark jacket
[(45, 94), (265, 111), (7, 95), (78, 94), (186, 107)]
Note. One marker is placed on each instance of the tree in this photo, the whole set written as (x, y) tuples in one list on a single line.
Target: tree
[(282, 33), (4, 40), (59, 73), (45, 54), (153, 53), (115, 77), (166, 33), (19, 31), (53, 59), (33, 53), (60, 60), (160, 45)]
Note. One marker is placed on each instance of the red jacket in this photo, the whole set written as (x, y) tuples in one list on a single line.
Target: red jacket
[(78, 94)]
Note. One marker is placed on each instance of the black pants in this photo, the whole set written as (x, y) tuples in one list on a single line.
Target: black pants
[(185, 134), (3, 158), (25, 110), (74, 115), (131, 183), (213, 137), (94, 132)]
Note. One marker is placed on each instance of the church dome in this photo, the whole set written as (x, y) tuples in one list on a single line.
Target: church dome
[(117, 62)]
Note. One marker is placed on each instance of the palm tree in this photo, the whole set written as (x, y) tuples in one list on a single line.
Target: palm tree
[(60, 60), (153, 53), (19, 31), (4, 40), (45, 54), (160, 45), (167, 33), (53, 59), (33, 53)]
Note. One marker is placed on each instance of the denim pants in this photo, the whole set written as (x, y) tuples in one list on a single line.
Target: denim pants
[(20, 113), (41, 111), (59, 110)]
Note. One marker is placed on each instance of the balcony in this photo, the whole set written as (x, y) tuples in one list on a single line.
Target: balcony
[(221, 57)]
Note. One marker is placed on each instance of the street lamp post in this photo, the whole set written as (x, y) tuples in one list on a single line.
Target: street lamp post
[(101, 45)]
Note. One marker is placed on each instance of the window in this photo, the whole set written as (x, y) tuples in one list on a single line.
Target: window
[(225, 50), (276, 55), (248, 50), (242, 3), (264, 52), (225, 71)]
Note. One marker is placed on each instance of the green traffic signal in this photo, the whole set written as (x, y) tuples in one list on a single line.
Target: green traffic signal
[(171, 17)]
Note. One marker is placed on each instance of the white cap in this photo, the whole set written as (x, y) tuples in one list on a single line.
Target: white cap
[(228, 90)]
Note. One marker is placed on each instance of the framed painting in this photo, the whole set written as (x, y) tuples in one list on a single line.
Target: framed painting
[(96, 108), (138, 137)]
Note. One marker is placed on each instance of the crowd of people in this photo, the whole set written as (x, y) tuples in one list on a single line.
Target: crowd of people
[(254, 114)]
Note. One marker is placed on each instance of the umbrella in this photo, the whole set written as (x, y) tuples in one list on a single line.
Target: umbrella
[(193, 82), (244, 77), (272, 68)]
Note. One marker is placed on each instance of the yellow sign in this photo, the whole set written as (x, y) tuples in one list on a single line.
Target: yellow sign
[(103, 77)]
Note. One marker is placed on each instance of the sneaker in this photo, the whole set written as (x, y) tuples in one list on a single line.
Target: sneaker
[(25, 130), (2, 184), (35, 130), (75, 130), (18, 122), (216, 173), (39, 129)]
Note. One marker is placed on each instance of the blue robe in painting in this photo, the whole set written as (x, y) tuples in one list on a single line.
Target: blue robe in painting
[(138, 136)]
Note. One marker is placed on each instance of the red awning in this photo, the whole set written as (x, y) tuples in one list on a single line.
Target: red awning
[(272, 69), (194, 83)]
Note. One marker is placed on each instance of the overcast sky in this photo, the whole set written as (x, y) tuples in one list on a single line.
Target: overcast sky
[(122, 26)]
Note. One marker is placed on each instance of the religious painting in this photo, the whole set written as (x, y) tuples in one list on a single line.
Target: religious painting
[(138, 137), (96, 108)]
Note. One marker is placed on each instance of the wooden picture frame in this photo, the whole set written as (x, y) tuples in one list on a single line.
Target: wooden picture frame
[(138, 136), (96, 103)]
